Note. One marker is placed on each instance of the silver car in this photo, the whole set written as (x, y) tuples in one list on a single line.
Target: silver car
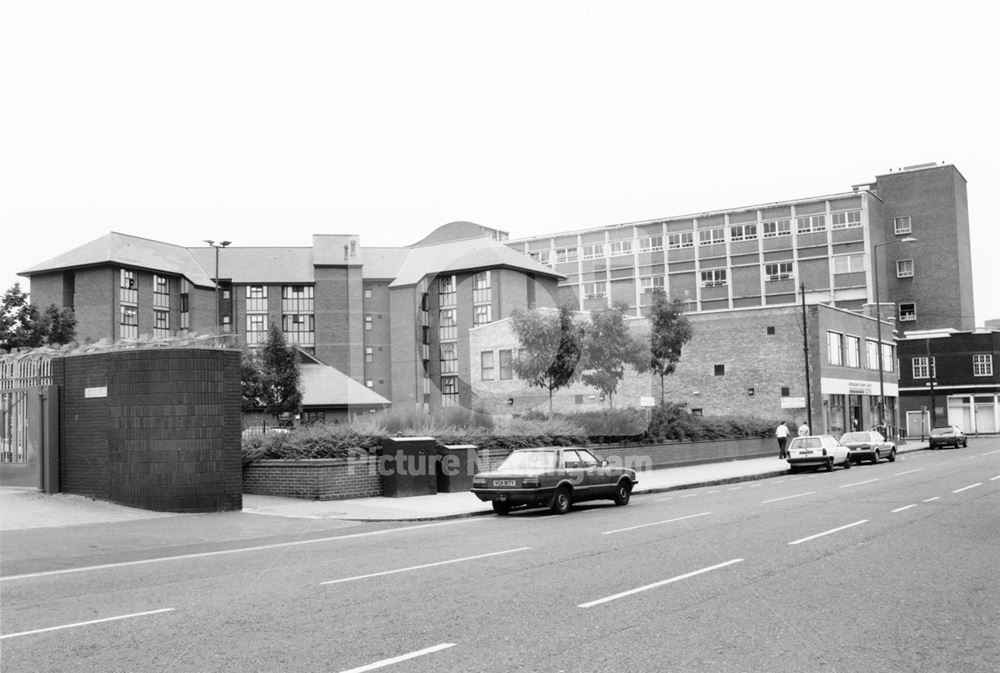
[(868, 445), (815, 451)]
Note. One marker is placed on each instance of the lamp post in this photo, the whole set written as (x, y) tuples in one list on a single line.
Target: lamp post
[(878, 326), (221, 244)]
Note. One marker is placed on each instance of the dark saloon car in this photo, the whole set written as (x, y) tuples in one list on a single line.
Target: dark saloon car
[(868, 445), (948, 435), (554, 477)]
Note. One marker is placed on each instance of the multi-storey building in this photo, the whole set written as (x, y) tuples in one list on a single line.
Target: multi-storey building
[(394, 319), (914, 222)]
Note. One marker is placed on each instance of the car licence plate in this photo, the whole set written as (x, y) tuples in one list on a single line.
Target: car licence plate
[(503, 482)]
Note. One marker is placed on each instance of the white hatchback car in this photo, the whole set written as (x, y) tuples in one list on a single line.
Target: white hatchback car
[(815, 451)]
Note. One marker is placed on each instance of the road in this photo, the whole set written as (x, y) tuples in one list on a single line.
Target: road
[(889, 567)]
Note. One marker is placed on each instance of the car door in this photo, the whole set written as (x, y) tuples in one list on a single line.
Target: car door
[(576, 473), (599, 481)]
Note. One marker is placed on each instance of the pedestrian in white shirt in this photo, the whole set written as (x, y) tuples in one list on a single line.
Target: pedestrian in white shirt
[(782, 434)]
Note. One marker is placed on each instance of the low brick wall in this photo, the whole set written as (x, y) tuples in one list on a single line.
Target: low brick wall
[(340, 479), (320, 479)]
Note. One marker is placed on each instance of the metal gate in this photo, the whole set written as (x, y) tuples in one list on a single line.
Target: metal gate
[(29, 426)]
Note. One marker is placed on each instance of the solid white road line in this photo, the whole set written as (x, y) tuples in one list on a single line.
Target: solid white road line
[(995, 478), (932, 499), (92, 621), (900, 474), (900, 509), (427, 565), (858, 483), (787, 497), (658, 584), (989, 453), (662, 499), (834, 530), (690, 495), (239, 550), (966, 488), (655, 523), (403, 657)]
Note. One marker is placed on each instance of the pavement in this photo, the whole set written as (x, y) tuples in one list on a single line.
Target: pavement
[(28, 508)]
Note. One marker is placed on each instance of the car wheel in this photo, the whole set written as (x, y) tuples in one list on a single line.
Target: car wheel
[(892, 455), (847, 463), (562, 500), (965, 442), (623, 491), (829, 465), (875, 457), (501, 508)]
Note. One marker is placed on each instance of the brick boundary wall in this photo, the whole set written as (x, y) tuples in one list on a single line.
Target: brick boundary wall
[(340, 478)]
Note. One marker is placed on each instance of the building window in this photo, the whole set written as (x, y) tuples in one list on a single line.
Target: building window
[(368, 293), (982, 365), (486, 365), (161, 291), (448, 325), (871, 349), (711, 236), (621, 247), (128, 290), (713, 277), (449, 391), (369, 355), (564, 255), (594, 290), (846, 219), (902, 225), (506, 365), (256, 329), (853, 351), (256, 298), (775, 228), (685, 239), (920, 369), (743, 232), (543, 257), (650, 284), (786, 391), (446, 291), (778, 271), (848, 263), (651, 244), (720, 370), (369, 322), (835, 348), (449, 358), (810, 223), (907, 312), (161, 324), (482, 314), (297, 299), (299, 329), (129, 322), (904, 268), (227, 324), (369, 383), (888, 358), (593, 251)]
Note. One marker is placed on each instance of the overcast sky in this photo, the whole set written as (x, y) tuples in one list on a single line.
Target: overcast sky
[(264, 122)]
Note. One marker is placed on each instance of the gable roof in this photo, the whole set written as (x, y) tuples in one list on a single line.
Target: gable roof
[(474, 253)]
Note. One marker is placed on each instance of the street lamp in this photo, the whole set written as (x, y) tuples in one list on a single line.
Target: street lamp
[(221, 244), (878, 326)]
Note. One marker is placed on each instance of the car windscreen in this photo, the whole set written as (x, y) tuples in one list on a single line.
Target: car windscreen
[(855, 437), (806, 443), (941, 431), (530, 460)]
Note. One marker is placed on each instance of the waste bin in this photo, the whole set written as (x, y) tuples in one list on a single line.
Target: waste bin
[(455, 466), (407, 466)]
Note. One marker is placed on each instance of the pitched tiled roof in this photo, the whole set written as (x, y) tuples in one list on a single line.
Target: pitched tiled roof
[(259, 265), (473, 253), (324, 386)]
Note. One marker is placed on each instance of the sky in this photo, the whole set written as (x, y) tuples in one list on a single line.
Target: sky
[(265, 121)]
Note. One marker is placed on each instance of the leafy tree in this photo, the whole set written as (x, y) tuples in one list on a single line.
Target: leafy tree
[(608, 348), (251, 381), (280, 375), (550, 345), (670, 331), (58, 325), (19, 324)]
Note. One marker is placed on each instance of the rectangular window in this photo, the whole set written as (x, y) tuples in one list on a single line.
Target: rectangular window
[(256, 329), (907, 312), (161, 324), (449, 358), (369, 355), (778, 271), (128, 289), (835, 348), (129, 322), (368, 293), (486, 365), (651, 244), (713, 278), (848, 263), (593, 251), (888, 358), (685, 239), (810, 223), (161, 291), (564, 255), (904, 268), (447, 322), (775, 228), (482, 314), (299, 329), (853, 351), (369, 383), (743, 232), (720, 370), (297, 299), (920, 369), (902, 225), (594, 290), (256, 298), (982, 364), (449, 391), (227, 324), (446, 291), (545, 257), (650, 284), (621, 247), (871, 349), (369, 322), (845, 219), (711, 236), (506, 364), (482, 292)]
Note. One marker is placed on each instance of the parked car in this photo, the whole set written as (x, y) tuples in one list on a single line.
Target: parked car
[(554, 477), (868, 445), (948, 435), (817, 451)]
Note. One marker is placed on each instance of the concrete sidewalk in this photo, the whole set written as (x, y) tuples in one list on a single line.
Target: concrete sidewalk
[(22, 508)]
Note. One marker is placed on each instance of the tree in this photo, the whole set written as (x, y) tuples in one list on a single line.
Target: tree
[(670, 330), (280, 375), (58, 325), (19, 324), (550, 345), (251, 381), (608, 348)]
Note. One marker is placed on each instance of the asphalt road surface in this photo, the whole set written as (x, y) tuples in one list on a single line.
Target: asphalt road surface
[(889, 567)]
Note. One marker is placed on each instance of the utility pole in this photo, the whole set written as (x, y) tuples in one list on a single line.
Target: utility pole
[(805, 350), (222, 244)]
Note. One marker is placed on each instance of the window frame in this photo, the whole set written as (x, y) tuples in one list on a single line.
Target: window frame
[(719, 278), (909, 313), (982, 364), (902, 225), (777, 273), (901, 268)]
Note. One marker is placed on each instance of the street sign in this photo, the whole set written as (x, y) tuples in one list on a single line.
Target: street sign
[(793, 403), (647, 401)]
